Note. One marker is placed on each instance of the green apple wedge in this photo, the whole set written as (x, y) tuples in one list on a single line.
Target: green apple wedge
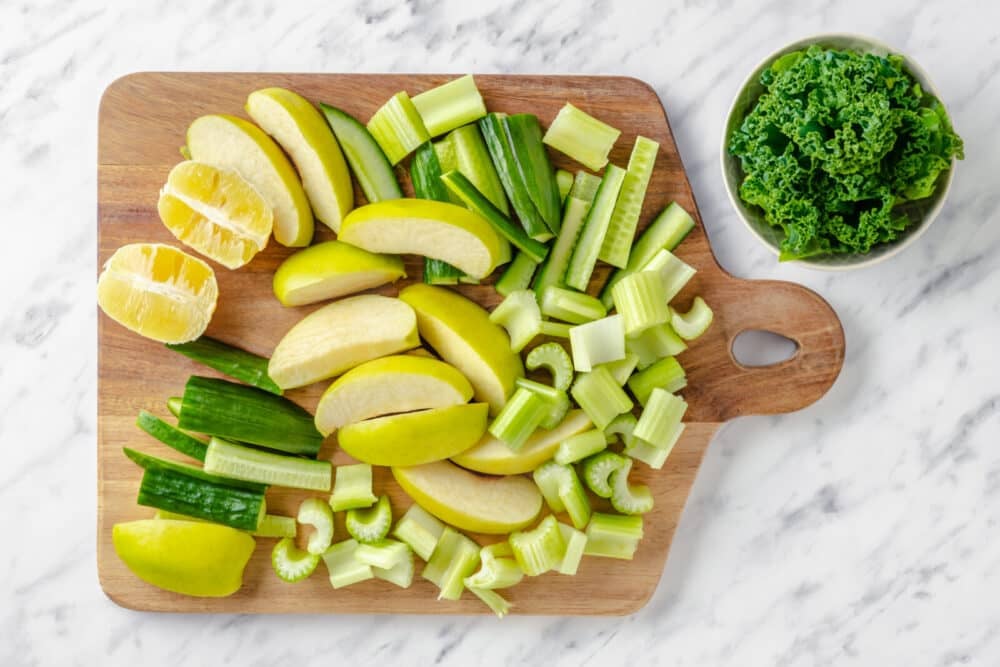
[(414, 438), (480, 504), (299, 128), (331, 269), (493, 457), (341, 335), (232, 143), (394, 384), (425, 227), (461, 332)]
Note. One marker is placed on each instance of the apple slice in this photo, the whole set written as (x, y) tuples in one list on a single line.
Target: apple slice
[(493, 505), (300, 129), (331, 269), (400, 383), (460, 331), (232, 143), (341, 335), (494, 457), (424, 227), (415, 437)]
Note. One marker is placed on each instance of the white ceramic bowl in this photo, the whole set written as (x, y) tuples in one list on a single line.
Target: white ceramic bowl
[(753, 217)]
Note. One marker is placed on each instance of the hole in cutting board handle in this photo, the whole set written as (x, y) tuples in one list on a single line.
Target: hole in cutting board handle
[(758, 347)]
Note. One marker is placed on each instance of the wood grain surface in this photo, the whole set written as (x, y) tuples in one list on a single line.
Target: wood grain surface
[(143, 119)]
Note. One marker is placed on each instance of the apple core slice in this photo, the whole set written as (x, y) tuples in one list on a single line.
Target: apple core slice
[(332, 269)]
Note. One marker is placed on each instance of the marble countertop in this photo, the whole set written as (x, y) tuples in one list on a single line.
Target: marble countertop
[(860, 531)]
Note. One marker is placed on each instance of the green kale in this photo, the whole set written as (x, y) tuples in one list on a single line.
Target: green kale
[(836, 145)]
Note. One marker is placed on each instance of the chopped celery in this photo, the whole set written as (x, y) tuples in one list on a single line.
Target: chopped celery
[(372, 524), (316, 513), (455, 558), (618, 241), (290, 563), (600, 396), (518, 274), (473, 159), (666, 231), (597, 342), (533, 167), (273, 525), (171, 435), (597, 472), (613, 536), (519, 314), (693, 323), (524, 412), (639, 300), (368, 163), (497, 568), (555, 359), (580, 446), (255, 465), (622, 425), (228, 360), (557, 400), (574, 215), (384, 554), (622, 369), (582, 137), (627, 498), (562, 490), (174, 404), (342, 565), (352, 487), (494, 130), (539, 550), (450, 105), (571, 306), (420, 530), (556, 329), (398, 128), (654, 344), (674, 273), (496, 602), (654, 457), (660, 423), (564, 181), (400, 574), (581, 265), (575, 541), (666, 373)]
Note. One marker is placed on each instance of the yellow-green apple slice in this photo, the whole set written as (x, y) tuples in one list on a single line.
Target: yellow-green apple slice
[(332, 269)]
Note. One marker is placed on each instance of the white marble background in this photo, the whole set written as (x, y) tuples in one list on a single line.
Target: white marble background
[(861, 531)]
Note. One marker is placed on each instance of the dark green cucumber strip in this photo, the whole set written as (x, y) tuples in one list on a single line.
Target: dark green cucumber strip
[(425, 174), (517, 275), (474, 199), (533, 166), (438, 272), (236, 363), (149, 462), (237, 412), (181, 493), (171, 436), (588, 245), (472, 158), (502, 154), (368, 162)]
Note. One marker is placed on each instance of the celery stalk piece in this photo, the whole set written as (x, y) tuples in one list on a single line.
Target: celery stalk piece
[(580, 446), (597, 471), (520, 417), (600, 396), (576, 542), (654, 344), (622, 369), (171, 436), (674, 273), (344, 568), (618, 241), (232, 361), (539, 550), (660, 423), (316, 513), (588, 246), (564, 181), (639, 299), (398, 128), (613, 536), (496, 602), (654, 457), (370, 525), (666, 231), (555, 329), (419, 529), (384, 554), (520, 316), (229, 459), (290, 563), (563, 491), (582, 137), (472, 159), (622, 425), (557, 400), (628, 498), (575, 211), (455, 558), (497, 568), (400, 574), (368, 162), (666, 374), (174, 404), (695, 322), (571, 306), (517, 276), (352, 487), (450, 105), (553, 357), (273, 525), (597, 342)]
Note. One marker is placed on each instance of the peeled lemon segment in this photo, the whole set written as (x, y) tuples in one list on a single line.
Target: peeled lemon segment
[(158, 292), (189, 557), (216, 212), (300, 129), (433, 229), (415, 437), (399, 383), (341, 335), (232, 143), (331, 269)]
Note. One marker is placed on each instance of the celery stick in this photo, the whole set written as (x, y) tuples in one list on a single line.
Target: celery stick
[(316, 513), (553, 357), (520, 316), (400, 574), (600, 396), (455, 558), (383, 554), (652, 456), (372, 524), (556, 399), (575, 541), (597, 342), (352, 487), (229, 459), (518, 274), (232, 361), (622, 369), (597, 471), (570, 306), (563, 491), (622, 425), (519, 418), (628, 498), (290, 563), (613, 536), (654, 344), (673, 272), (581, 265), (398, 128), (555, 329), (618, 241), (539, 550), (343, 567), (660, 423), (580, 446), (695, 322), (582, 137), (420, 530), (497, 604), (666, 374), (639, 299), (450, 105), (171, 436), (497, 568)]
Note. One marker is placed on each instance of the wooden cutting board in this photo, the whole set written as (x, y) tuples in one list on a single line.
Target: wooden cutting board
[(143, 118)]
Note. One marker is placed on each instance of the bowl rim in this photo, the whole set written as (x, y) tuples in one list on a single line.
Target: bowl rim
[(860, 261)]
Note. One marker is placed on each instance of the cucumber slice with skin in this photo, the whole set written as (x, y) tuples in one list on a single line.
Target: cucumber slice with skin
[(174, 491), (472, 158), (317, 513), (171, 436), (537, 175), (228, 360), (255, 465), (618, 241), (564, 181), (425, 174), (371, 525), (149, 462), (368, 163), (597, 472), (502, 154), (588, 246), (554, 269), (290, 563)]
